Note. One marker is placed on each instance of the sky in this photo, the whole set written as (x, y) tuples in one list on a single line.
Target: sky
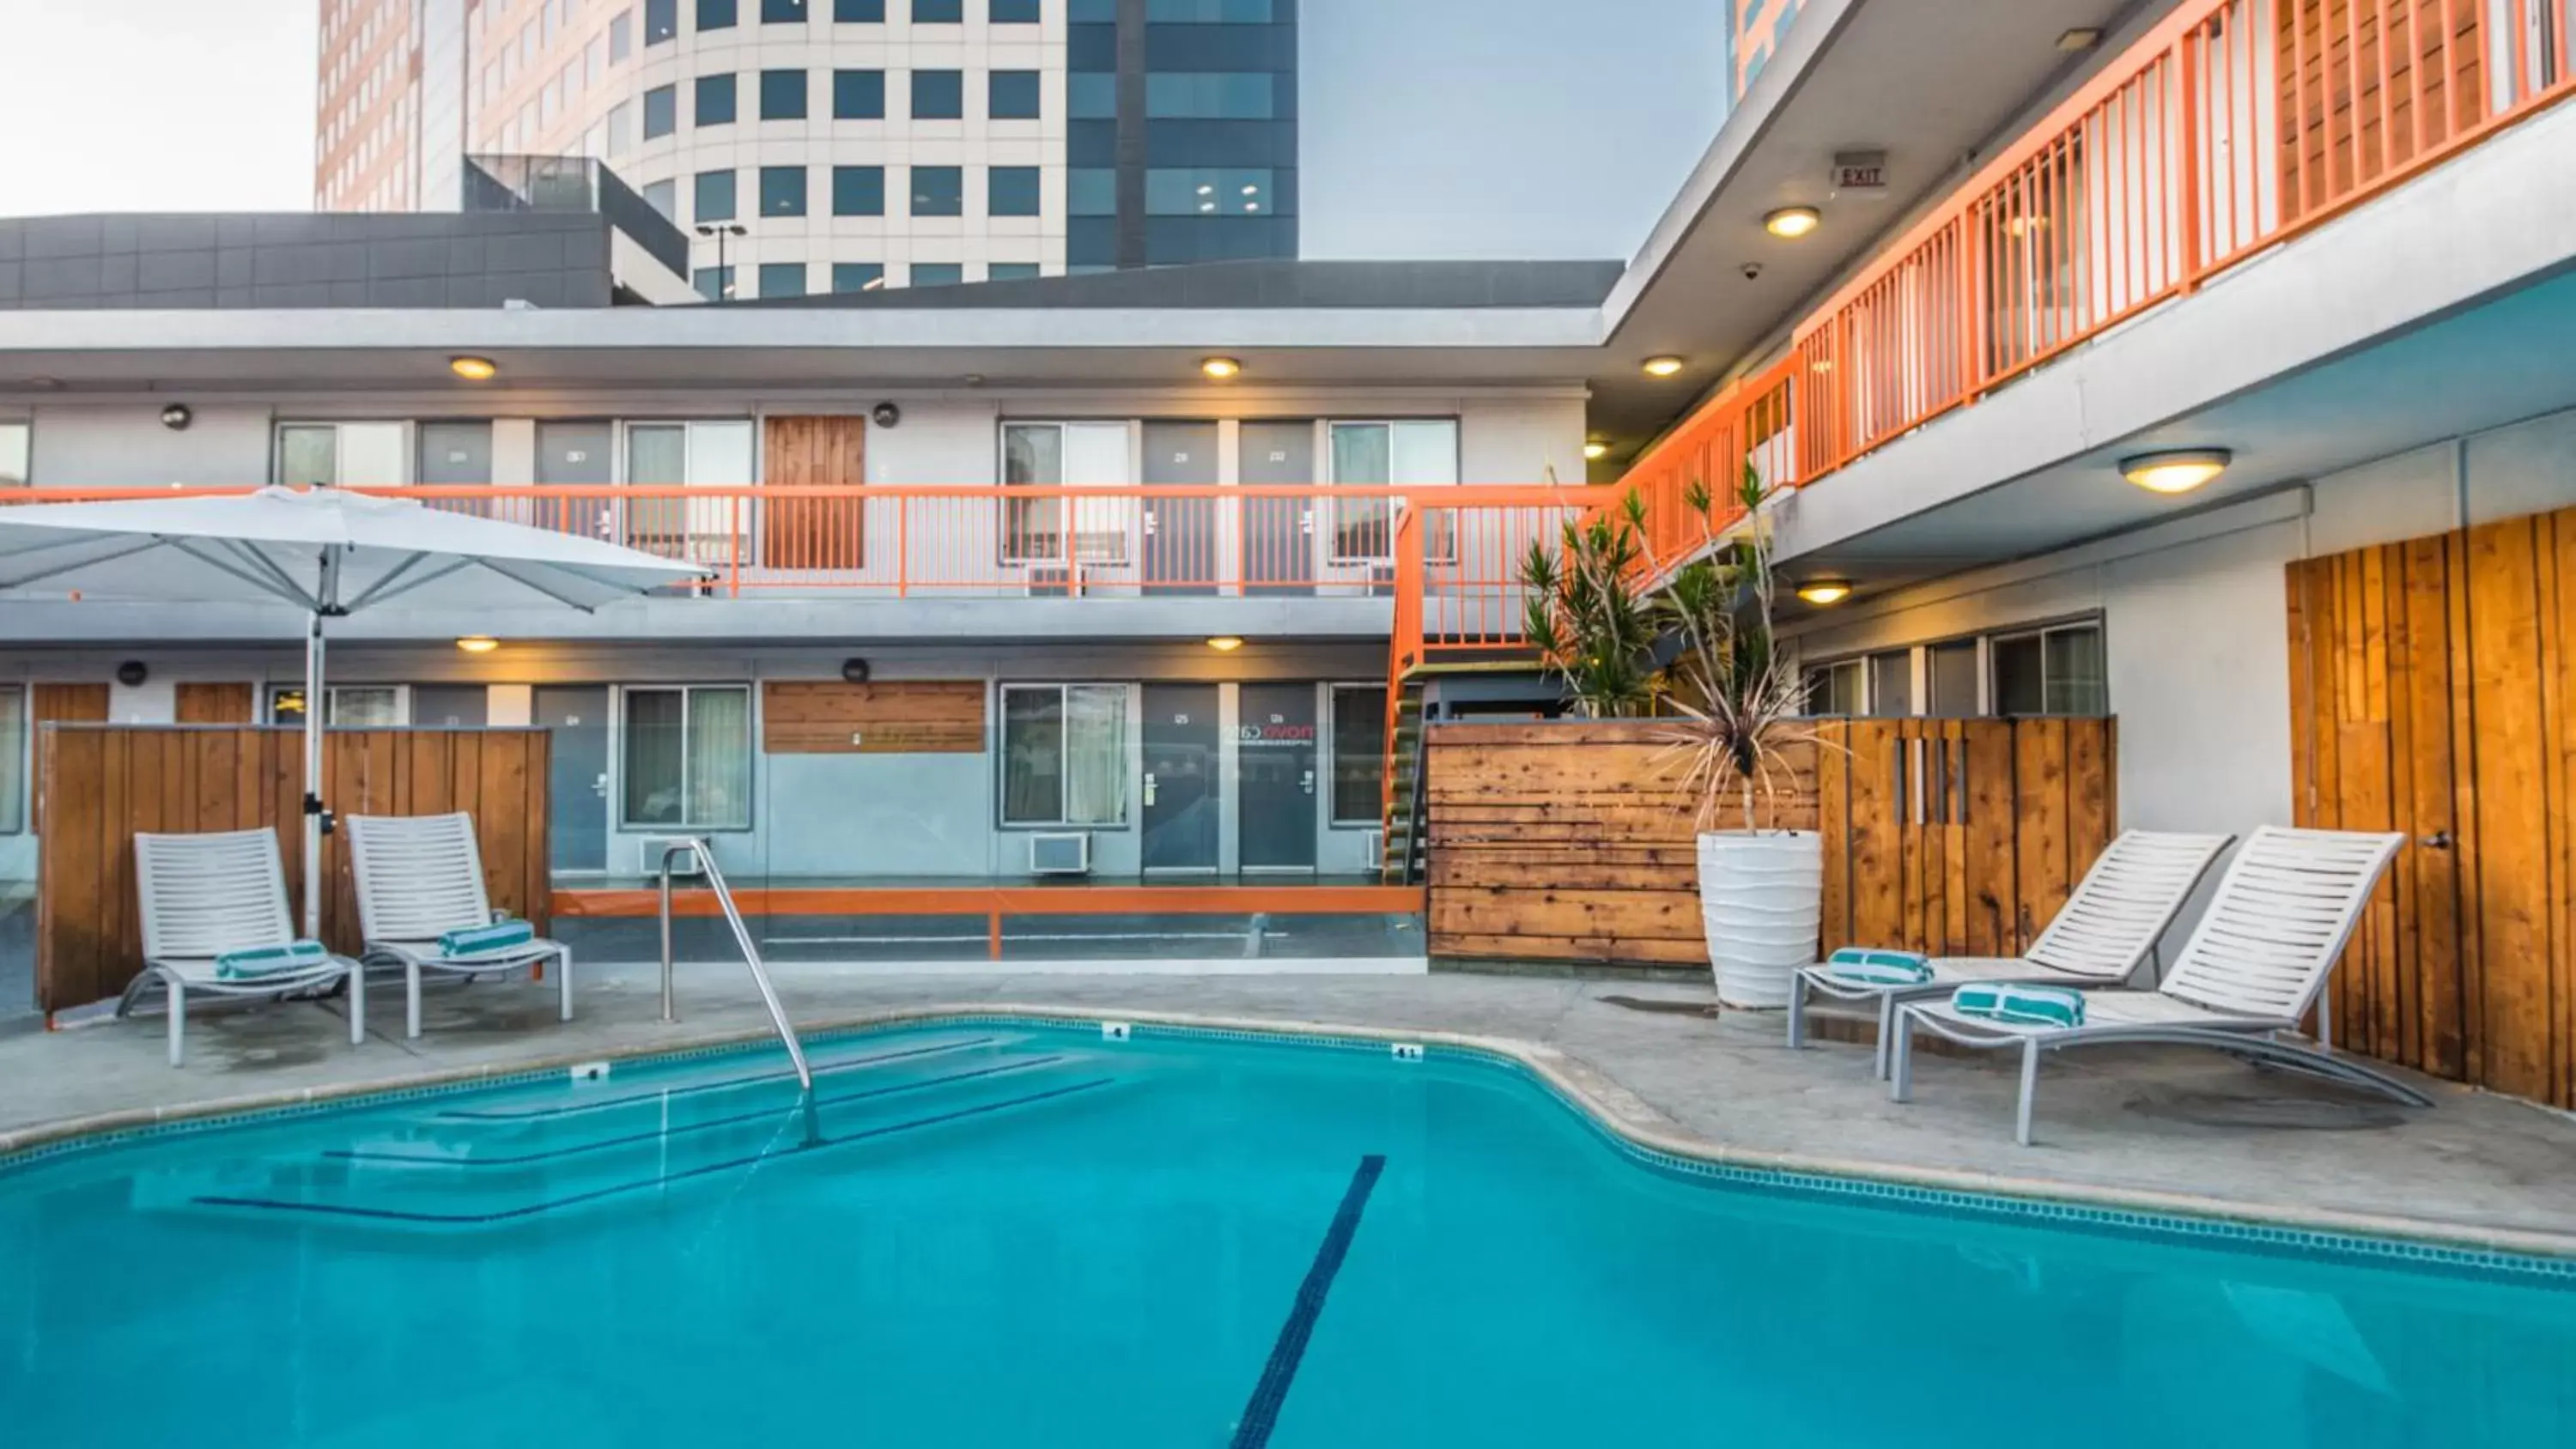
[(1430, 128), (156, 105)]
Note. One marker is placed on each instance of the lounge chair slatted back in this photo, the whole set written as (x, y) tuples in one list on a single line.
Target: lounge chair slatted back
[(2279, 919), (2124, 903), (418, 876), (205, 894)]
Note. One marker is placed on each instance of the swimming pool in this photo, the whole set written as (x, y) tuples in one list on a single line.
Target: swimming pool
[(1022, 1234)]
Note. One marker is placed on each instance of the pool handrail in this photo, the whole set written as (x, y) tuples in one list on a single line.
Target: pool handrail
[(714, 877)]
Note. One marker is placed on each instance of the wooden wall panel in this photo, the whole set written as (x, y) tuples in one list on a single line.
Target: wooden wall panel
[(2429, 695), (893, 717), (217, 704), (1574, 842), (113, 781)]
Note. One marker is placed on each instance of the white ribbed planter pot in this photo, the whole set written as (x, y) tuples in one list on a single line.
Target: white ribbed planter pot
[(1761, 899)]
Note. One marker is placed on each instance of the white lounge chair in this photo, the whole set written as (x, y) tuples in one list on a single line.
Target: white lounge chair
[(2104, 932), (420, 877), (206, 896), (2253, 967)]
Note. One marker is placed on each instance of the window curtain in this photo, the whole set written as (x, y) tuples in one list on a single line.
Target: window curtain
[(654, 736), (1095, 755), (1363, 528), (720, 757), (1032, 756)]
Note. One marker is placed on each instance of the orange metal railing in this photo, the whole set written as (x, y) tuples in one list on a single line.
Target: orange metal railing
[(1279, 541), (2231, 127)]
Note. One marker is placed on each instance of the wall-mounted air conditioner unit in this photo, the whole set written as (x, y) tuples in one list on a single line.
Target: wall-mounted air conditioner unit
[(685, 863), (1068, 853), (1373, 847)]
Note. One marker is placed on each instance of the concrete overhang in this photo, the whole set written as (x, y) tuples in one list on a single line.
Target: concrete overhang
[(2336, 348)]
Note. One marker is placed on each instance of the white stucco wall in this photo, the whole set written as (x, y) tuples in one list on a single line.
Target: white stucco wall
[(119, 445), (2194, 612)]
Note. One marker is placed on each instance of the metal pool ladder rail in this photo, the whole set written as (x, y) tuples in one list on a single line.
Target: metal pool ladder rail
[(750, 954)]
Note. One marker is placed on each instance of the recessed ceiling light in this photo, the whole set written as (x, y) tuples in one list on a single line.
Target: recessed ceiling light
[(1793, 221), (1252, 191), (1252, 206), (1207, 206), (473, 369), (2177, 470), (1220, 368), (1596, 451), (1663, 366), (2083, 37), (1207, 191), (478, 643), (1225, 643), (1825, 591)]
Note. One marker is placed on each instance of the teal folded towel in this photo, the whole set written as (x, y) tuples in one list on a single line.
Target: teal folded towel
[(475, 940), (2021, 1005), (258, 961), (1867, 966)]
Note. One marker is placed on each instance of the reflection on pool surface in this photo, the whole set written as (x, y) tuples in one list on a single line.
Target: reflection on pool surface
[(1013, 1234)]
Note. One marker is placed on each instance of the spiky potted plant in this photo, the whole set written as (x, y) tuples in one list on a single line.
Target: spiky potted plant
[(1591, 626), (1737, 704)]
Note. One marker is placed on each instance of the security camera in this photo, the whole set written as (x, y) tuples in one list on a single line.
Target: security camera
[(887, 414), (1751, 270), (176, 416)]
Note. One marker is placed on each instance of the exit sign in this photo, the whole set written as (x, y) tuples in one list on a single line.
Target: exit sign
[(1864, 171)]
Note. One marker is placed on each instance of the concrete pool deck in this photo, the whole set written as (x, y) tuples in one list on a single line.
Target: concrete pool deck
[(2158, 1128)]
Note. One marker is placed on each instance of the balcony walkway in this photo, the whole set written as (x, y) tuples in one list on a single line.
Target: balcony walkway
[(2142, 1126)]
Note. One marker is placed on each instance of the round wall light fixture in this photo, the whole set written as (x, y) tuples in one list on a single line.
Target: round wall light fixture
[(2176, 470), (1663, 366), (1596, 450), (1825, 591), (1225, 643), (473, 369), (478, 643), (1220, 368)]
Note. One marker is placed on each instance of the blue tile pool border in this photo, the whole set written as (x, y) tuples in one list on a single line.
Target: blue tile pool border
[(2179, 1228)]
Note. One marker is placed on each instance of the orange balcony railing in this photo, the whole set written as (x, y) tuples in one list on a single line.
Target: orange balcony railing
[(1277, 541), (2231, 127)]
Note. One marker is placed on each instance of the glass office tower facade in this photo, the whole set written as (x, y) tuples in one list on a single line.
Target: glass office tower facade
[(1181, 132)]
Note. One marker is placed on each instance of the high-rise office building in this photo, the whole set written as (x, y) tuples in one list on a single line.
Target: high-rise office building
[(841, 145)]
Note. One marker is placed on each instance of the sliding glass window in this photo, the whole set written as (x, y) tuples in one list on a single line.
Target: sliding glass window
[(1064, 754), (688, 756)]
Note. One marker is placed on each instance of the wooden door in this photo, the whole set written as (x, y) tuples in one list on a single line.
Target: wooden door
[(2429, 686), (811, 532)]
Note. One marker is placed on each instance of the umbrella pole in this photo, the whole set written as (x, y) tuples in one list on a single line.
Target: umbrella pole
[(313, 707)]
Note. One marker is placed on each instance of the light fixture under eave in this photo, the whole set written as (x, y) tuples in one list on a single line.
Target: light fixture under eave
[(1663, 366), (1825, 591), (473, 369), (1596, 451), (2081, 38), (1220, 368), (1225, 643), (1793, 221), (2177, 470), (478, 643)]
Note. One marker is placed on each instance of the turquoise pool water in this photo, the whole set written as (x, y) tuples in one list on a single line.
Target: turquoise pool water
[(1023, 1235)]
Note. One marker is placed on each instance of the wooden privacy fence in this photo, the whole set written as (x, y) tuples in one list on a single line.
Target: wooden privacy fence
[(1572, 843), (2430, 684), (103, 783)]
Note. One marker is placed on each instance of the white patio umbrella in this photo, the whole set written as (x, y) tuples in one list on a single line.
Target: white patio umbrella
[(326, 551)]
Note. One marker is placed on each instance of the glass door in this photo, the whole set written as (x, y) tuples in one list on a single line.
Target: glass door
[(1182, 796), (1275, 766)]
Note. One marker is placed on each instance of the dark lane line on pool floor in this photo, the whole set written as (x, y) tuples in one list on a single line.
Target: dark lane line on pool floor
[(1261, 1414)]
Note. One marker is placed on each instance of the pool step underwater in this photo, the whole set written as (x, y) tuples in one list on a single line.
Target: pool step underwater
[(440, 1169)]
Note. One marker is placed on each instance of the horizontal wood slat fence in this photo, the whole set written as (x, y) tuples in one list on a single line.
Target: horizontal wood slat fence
[(1574, 843), (2430, 683), (107, 782)]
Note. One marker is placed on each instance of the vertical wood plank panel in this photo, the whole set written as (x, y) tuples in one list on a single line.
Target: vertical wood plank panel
[(2039, 826), (204, 703), (2504, 651)]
